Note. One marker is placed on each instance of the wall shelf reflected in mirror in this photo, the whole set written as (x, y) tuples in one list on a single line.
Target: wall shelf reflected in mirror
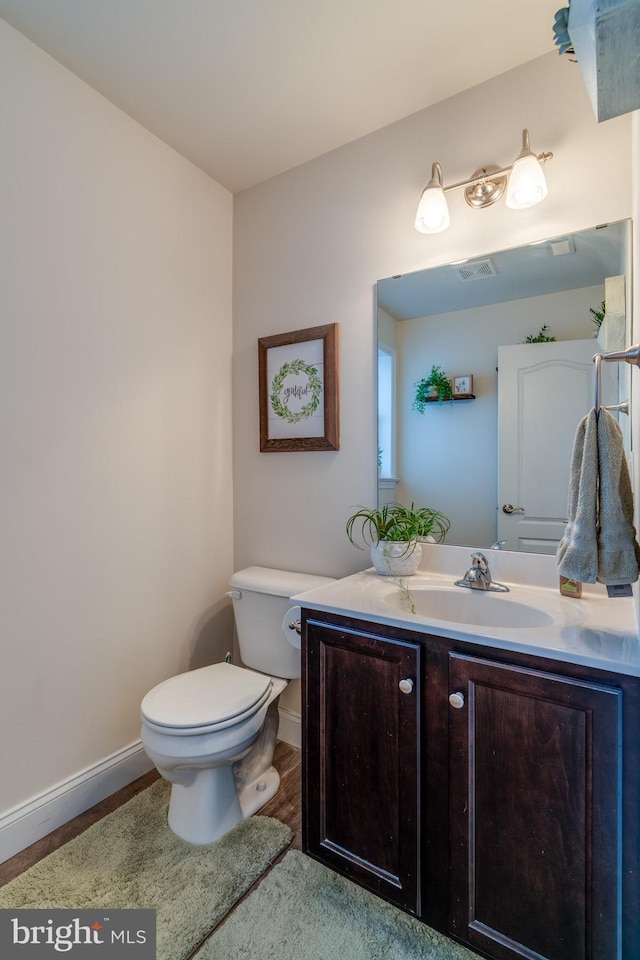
[(468, 466), (458, 396)]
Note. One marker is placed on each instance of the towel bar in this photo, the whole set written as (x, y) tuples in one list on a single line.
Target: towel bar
[(630, 355), (617, 407)]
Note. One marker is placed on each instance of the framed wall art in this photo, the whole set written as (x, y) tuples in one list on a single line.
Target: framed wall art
[(463, 385), (298, 390)]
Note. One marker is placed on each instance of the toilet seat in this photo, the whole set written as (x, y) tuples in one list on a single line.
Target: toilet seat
[(205, 700)]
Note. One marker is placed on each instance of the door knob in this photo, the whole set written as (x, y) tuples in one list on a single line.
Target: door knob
[(406, 686), (295, 625), (508, 508), (457, 700)]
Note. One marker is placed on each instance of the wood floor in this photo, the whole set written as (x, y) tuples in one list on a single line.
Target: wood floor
[(285, 806)]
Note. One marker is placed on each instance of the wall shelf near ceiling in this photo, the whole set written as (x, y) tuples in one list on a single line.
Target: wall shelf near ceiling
[(604, 35)]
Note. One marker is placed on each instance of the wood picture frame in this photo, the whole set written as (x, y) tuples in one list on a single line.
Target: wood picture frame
[(298, 390), (463, 385)]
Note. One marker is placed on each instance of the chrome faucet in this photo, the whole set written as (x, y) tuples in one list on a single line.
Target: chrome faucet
[(478, 576)]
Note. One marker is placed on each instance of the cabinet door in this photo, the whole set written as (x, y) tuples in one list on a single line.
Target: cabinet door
[(360, 765), (535, 812)]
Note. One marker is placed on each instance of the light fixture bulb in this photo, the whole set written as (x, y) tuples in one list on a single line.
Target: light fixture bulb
[(527, 185), (433, 212)]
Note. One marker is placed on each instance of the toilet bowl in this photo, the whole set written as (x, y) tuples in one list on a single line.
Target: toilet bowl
[(211, 732), (195, 727)]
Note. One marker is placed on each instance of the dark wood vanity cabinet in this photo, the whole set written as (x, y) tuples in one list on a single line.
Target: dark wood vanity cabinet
[(361, 780), (493, 794), (534, 811)]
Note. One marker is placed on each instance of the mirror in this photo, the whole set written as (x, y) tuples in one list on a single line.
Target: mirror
[(511, 441)]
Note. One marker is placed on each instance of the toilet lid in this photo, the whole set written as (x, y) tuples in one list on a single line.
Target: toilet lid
[(206, 696)]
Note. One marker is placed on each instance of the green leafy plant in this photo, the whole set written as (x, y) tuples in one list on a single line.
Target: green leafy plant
[(541, 337), (429, 524), (379, 457), (437, 382), (372, 524), (598, 316), (395, 522)]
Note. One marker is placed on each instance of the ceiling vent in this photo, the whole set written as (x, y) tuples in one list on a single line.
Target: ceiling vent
[(560, 248), (477, 270)]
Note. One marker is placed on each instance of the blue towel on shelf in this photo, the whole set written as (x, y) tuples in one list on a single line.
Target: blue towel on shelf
[(600, 542)]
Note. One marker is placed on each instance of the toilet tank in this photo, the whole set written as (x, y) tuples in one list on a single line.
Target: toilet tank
[(259, 612)]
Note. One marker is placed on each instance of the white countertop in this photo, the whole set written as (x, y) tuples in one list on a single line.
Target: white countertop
[(596, 630)]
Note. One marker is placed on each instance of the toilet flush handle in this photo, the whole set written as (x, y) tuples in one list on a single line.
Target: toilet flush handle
[(233, 594), (292, 626)]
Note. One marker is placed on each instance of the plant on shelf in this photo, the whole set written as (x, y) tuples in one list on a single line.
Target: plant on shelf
[(394, 533), (598, 316), (541, 337), (437, 384)]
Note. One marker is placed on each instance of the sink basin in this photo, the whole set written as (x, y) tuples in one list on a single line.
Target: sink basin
[(477, 607)]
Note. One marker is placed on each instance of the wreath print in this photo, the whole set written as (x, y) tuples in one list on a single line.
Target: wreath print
[(280, 408)]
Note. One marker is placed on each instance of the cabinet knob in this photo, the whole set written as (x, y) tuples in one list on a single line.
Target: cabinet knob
[(406, 686), (457, 700)]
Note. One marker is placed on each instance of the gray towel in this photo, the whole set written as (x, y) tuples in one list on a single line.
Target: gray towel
[(577, 554), (600, 540), (618, 549)]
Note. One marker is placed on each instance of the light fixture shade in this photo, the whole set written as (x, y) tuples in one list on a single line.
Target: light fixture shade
[(433, 211), (527, 185)]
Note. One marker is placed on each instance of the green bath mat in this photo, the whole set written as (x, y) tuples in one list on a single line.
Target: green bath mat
[(303, 911), (132, 859)]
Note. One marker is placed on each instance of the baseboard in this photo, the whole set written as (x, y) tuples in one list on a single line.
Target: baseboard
[(23, 825), (31, 821), (290, 728)]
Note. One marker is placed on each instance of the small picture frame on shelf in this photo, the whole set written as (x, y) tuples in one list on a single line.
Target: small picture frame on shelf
[(463, 385)]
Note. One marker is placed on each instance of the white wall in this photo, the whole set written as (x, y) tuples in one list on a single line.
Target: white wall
[(448, 455), (115, 426), (309, 246)]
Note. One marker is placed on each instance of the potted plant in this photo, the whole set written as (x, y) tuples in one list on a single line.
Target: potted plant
[(394, 533), (431, 525), (437, 384)]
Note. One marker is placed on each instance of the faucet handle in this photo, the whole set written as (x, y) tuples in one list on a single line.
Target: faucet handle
[(479, 561)]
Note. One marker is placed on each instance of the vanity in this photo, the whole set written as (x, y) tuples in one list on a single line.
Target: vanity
[(474, 758)]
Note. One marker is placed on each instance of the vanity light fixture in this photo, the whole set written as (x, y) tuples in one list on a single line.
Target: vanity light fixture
[(523, 181)]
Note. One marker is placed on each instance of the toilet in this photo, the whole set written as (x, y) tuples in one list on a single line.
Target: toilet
[(211, 732)]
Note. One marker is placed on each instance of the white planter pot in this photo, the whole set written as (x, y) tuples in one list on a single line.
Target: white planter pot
[(393, 559)]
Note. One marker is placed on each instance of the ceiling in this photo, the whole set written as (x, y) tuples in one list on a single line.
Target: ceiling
[(562, 263), (247, 89)]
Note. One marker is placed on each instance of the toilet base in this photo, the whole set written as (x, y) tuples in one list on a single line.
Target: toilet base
[(206, 802), (205, 809), (254, 795)]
